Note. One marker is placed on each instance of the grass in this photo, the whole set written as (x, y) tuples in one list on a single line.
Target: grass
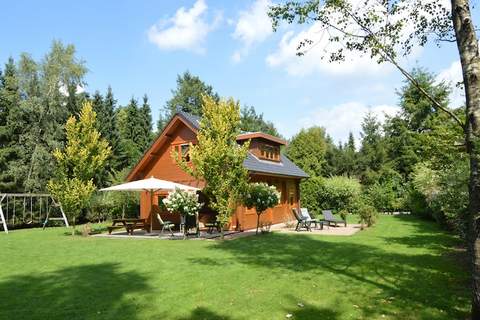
[(403, 268)]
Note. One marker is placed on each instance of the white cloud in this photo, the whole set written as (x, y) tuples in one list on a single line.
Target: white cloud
[(452, 76), (253, 26), (342, 119), (316, 56), (186, 30)]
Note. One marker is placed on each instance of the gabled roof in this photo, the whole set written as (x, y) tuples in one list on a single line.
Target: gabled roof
[(192, 119), (255, 165), (283, 168), (261, 135)]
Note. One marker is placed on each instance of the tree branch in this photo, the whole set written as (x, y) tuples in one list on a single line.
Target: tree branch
[(388, 57)]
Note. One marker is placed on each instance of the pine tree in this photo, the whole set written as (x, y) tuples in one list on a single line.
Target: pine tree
[(350, 157), (109, 131), (130, 126), (251, 121), (307, 150), (372, 153), (188, 95), (146, 121), (9, 104)]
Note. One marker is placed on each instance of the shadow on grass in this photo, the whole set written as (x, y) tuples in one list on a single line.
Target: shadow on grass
[(427, 235), (202, 313), (418, 284), (82, 292)]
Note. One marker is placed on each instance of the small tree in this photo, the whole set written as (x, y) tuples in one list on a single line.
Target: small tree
[(217, 158), (83, 156), (184, 203), (261, 196)]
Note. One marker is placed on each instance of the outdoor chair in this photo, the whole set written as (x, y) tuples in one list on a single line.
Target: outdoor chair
[(329, 218), (301, 221), (304, 212), (165, 225)]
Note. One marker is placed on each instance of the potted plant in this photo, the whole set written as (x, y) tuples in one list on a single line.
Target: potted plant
[(182, 202)]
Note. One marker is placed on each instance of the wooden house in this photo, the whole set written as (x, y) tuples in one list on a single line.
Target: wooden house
[(264, 162)]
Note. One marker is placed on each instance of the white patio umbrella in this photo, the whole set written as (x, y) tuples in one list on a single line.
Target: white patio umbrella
[(150, 185)]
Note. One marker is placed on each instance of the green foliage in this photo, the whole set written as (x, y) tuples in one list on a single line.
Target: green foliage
[(187, 97), (9, 133), (106, 125), (135, 128), (444, 191), (307, 150), (372, 151), (111, 205), (260, 196), (86, 151), (367, 214), (217, 158), (338, 193), (77, 164), (182, 202), (73, 194), (39, 96), (251, 121)]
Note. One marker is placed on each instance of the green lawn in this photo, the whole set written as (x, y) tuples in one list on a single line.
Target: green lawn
[(403, 268)]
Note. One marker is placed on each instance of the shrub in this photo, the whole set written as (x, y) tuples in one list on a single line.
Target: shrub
[(386, 196), (182, 202), (261, 196), (444, 191), (367, 215), (338, 193)]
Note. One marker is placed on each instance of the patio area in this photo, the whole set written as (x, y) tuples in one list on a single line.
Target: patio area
[(349, 230), (157, 235)]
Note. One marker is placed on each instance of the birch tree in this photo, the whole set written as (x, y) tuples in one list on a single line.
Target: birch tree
[(386, 30)]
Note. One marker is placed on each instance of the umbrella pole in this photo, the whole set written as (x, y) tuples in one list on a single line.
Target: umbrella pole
[(151, 211)]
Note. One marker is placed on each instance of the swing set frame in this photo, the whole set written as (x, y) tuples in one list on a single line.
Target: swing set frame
[(40, 198)]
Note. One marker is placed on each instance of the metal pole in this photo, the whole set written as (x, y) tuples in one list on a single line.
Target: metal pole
[(14, 202), (4, 223)]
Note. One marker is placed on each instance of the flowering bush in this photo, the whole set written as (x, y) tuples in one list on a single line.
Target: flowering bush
[(182, 202), (261, 196)]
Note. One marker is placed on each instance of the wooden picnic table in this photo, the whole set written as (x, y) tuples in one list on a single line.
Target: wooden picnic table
[(129, 224)]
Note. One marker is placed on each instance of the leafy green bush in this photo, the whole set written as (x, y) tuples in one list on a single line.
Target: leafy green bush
[(444, 191), (261, 196), (367, 215), (338, 193)]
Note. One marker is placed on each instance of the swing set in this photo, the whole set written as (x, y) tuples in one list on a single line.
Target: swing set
[(24, 209)]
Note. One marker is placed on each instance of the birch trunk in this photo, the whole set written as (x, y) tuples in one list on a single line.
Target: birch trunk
[(467, 44)]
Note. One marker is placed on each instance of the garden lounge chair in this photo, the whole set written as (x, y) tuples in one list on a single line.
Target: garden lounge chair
[(328, 217), (165, 225), (304, 212), (301, 221)]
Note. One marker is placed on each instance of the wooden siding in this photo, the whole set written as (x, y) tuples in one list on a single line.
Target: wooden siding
[(161, 165)]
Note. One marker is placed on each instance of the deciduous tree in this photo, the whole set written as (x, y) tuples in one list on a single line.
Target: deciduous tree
[(83, 156), (385, 30), (217, 158)]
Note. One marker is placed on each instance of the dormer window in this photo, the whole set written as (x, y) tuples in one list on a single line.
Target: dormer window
[(269, 152)]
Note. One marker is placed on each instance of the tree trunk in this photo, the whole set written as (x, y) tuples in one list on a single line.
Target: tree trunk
[(73, 227), (467, 44), (258, 222)]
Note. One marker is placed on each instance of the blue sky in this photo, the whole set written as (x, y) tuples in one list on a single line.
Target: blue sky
[(139, 47)]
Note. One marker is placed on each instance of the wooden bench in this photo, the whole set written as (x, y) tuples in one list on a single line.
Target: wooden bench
[(129, 224)]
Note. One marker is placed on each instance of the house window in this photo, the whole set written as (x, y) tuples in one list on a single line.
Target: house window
[(184, 151), (291, 195), (269, 152)]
